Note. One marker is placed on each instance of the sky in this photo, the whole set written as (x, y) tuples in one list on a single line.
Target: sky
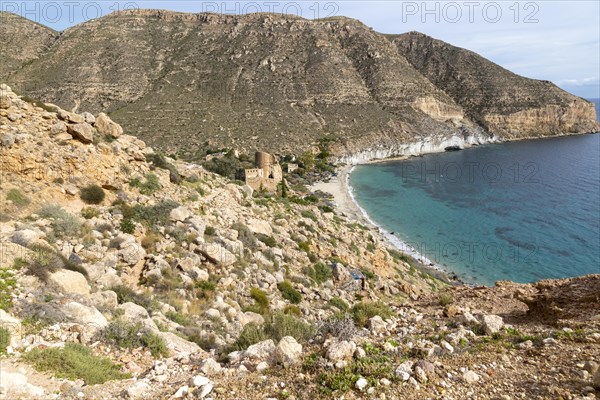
[(552, 40)]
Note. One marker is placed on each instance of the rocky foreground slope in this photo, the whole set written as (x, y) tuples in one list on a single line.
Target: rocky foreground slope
[(125, 274), (184, 82)]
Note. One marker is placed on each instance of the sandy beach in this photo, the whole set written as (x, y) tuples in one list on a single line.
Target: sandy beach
[(340, 189)]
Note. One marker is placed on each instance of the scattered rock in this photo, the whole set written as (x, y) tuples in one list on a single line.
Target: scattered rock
[(7, 140), (470, 377), (288, 351), (491, 324), (105, 126), (82, 132), (138, 390), (70, 282), (361, 384), (377, 325), (341, 350), (210, 367)]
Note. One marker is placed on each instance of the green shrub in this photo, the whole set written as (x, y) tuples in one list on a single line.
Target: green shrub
[(149, 186), (92, 194), (445, 299), (266, 239), (309, 214), (129, 336), (289, 293), (160, 161), (64, 225), (126, 295), (90, 212), (178, 318), (127, 226), (206, 289), (155, 215), (339, 303), (245, 235), (8, 284), (305, 246), (209, 231), (74, 361), (364, 310), (4, 339), (279, 326), (262, 301), (292, 309), (45, 260), (320, 273), (17, 198)]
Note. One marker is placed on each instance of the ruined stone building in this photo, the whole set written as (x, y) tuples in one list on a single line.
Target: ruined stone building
[(266, 175)]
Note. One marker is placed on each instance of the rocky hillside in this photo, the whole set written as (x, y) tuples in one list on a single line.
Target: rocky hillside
[(504, 103), (23, 41), (185, 82), (125, 274)]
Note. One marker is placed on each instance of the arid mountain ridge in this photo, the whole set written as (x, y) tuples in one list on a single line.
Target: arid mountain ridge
[(183, 82)]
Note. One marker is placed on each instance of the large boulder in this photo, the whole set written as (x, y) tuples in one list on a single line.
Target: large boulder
[(377, 325), (250, 317), (178, 345), (82, 132), (70, 282), (180, 214), (15, 385), (491, 324), (134, 314), (261, 351), (25, 237), (288, 352), (218, 254), (260, 226), (89, 317), (343, 350), (106, 126)]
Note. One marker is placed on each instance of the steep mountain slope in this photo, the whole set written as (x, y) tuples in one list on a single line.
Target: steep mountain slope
[(503, 102), (22, 42), (271, 82)]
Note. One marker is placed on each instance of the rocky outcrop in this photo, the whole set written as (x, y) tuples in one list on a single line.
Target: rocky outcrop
[(505, 104)]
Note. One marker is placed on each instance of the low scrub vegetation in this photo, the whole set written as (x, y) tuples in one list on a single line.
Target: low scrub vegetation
[(361, 312), (279, 326), (74, 361), (148, 186), (64, 225), (92, 194), (130, 336), (17, 198), (289, 293), (45, 260), (4, 339)]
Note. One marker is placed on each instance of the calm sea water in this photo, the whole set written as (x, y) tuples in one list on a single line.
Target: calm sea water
[(521, 211)]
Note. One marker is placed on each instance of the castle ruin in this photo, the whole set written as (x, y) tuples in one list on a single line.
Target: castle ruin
[(267, 174)]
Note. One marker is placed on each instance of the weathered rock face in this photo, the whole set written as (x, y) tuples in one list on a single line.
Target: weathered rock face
[(506, 104), (235, 78)]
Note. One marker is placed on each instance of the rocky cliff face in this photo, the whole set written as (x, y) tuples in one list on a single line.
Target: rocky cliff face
[(504, 103), (279, 83)]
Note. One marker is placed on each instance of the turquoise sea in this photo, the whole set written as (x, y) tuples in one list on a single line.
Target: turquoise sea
[(520, 211)]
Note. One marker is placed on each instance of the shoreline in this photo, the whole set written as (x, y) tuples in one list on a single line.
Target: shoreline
[(346, 204)]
